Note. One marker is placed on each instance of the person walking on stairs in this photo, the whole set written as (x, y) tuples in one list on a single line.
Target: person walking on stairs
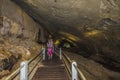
[(50, 48)]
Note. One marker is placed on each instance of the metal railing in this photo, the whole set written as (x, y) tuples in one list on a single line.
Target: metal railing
[(32, 63), (71, 66)]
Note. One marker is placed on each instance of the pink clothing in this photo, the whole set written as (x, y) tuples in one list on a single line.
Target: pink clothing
[(50, 51), (50, 47)]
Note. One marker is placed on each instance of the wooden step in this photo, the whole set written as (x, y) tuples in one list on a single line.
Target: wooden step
[(51, 70), (50, 73)]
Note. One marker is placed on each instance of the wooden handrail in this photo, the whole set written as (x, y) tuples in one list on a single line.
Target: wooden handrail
[(34, 57), (34, 66), (81, 75), (16, 72)]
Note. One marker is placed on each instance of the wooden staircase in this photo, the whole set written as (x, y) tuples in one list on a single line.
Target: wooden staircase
[(51, 70)]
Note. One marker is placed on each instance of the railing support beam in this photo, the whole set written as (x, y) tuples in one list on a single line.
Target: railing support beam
[(24, 71), (60, 54), (74, 71), (43, 53)]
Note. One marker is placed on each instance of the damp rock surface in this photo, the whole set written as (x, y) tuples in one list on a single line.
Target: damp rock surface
[(92, 25), (93, 70), (13, 51)]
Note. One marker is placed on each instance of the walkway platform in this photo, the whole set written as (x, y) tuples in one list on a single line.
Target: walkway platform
[(51, 70)]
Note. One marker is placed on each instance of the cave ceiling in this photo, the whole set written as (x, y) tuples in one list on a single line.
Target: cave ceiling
[(74, 19)]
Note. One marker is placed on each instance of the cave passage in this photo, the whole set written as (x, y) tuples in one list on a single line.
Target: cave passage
[(87, 30)]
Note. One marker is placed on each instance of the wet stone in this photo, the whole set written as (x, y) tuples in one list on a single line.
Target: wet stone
[(13, 51)]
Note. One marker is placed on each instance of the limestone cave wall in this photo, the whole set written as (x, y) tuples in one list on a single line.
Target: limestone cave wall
[(16, 22), (18, 37)]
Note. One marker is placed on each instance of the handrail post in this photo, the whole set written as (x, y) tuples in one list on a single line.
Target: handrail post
[(60, 54), (74, 71), (43, 52), (24, 70)]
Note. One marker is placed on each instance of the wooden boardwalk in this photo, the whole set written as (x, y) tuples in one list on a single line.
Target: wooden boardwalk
[(51, 70)]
